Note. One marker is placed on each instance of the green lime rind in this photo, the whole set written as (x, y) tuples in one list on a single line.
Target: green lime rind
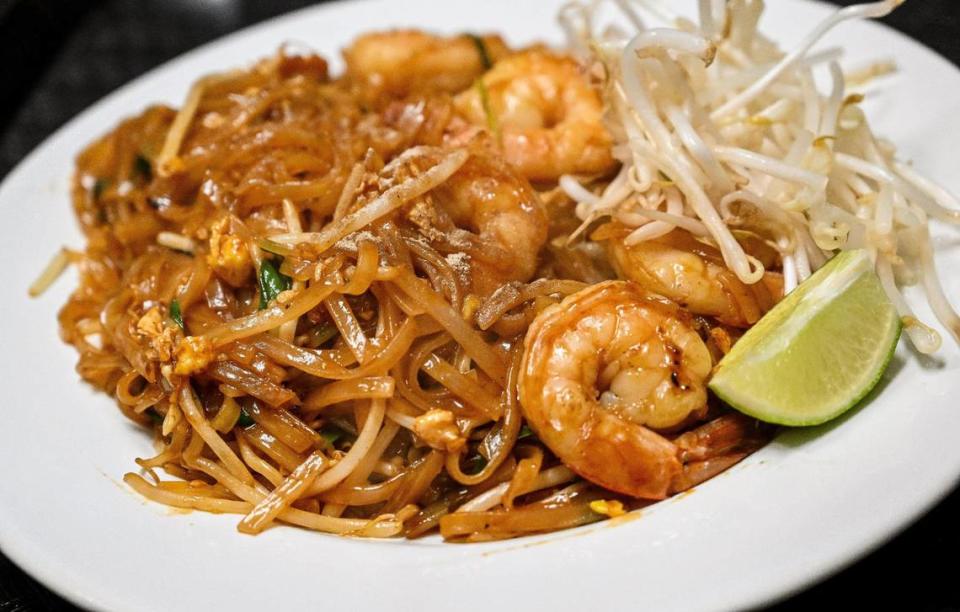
[(818, 353)]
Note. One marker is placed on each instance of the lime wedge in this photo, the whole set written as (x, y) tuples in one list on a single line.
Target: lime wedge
[(818, 352)]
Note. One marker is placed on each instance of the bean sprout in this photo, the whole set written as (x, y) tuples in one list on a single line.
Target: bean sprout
[(720, 132)]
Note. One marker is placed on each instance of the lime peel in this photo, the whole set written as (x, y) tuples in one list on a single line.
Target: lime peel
[(818, 352)]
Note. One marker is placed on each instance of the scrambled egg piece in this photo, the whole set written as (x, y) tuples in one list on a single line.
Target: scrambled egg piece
[(162, 338), (229, 256), (151, 323), (612, 508), (438, 429), (194, 353)]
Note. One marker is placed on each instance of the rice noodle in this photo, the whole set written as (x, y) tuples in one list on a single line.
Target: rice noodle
[(377, 387), (546, 479), (350, 330), (525, 477), (511, 296), (416, 482), (450, 320), (283, 425), (365, 272), (474, 526), (467, 389), (273, 448), (501, 438), (251, 383)]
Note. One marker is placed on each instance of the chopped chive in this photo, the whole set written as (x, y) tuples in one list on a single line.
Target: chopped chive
[(482, 51), (142, 167), (326, 333), (474, 465), (330, 434), (492, 124), (245, 420), (272, 283), (525, 432), (175, 313)]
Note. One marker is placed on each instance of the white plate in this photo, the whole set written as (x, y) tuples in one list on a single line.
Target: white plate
[(797, 510)]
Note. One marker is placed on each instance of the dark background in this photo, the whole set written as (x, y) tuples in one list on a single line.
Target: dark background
[(58, 57)]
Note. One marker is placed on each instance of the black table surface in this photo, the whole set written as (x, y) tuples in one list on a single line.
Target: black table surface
[(60, 56)]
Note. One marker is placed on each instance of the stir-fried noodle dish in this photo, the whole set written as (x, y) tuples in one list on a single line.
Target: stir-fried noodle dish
[(470, 287)]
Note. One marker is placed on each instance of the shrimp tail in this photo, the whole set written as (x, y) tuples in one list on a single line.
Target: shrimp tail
[(716, 437), (632, 460), (715, 447), (701, 471)]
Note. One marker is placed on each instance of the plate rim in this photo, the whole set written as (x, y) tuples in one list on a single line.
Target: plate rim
[(41, 563)]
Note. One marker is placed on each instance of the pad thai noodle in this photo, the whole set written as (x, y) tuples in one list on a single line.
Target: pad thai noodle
[(471, 288)]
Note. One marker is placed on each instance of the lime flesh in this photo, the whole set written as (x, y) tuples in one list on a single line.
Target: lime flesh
[(818, 352)]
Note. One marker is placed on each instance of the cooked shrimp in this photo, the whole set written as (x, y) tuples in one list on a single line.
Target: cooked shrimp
[(489, 214), (691, 273), (549, 117), (600, 370), (403, 62), (606, 367)]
